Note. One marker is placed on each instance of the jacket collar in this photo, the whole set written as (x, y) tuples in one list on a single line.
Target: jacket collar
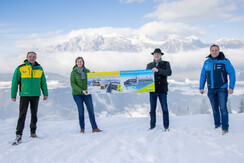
[(154, 62), (75, 68), (221, 56), (26, 62)]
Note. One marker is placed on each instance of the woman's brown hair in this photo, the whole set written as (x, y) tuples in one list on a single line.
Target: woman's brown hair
[(78, 59)]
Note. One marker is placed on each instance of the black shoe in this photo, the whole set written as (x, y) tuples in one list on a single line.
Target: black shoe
[(17, 140), (166, 129), (151, 128), (216, 127), (33, 136)]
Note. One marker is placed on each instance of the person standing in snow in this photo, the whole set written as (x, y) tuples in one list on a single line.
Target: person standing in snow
[(31, 80), (78, 81), (215, 70), (161, 71)]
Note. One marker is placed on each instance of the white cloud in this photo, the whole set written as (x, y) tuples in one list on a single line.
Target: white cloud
[(103, 30), (236, 19), (164, 30), (34, 35), (212, 26), (41, 39), (45, 35), (190, 11)]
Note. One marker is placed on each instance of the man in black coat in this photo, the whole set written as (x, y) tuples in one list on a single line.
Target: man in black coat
[(161, 70)]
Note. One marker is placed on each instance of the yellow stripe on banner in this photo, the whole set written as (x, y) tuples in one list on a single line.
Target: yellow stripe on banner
[(103, 74), (149, 88)]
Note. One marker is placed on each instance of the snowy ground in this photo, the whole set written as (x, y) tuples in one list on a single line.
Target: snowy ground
[(191, 139)]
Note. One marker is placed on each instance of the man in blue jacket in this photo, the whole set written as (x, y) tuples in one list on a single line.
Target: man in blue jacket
[(215, 71)]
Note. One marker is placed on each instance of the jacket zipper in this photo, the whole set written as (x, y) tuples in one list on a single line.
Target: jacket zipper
[(29, 71), (22, 86), (222, 77), (210, 65), (211, 74)]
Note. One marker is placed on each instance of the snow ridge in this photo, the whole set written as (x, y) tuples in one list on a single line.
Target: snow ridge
[(134, 43)]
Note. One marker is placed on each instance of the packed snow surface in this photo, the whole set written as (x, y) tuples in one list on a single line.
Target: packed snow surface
[(191, 139)]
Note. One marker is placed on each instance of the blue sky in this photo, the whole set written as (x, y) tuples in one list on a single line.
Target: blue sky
[(22, 17), (208, 20)]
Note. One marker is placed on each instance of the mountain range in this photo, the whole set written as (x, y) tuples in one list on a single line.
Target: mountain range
[(133, 43)]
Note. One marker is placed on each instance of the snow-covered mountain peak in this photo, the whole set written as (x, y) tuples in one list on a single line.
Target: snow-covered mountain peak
[(133, 42), (230, 43)]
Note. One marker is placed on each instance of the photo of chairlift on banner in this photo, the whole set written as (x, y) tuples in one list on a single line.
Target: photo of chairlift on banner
[(120, 82)]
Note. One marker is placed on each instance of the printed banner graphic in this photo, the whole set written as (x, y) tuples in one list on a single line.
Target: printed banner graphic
[(121, 81)]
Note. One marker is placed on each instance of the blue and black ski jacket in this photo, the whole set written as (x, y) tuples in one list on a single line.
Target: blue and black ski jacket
[(215, 72)]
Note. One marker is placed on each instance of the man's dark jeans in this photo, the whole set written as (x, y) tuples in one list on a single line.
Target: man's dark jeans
[(87, 99), (153, 104), (218, 99), (23, 107)]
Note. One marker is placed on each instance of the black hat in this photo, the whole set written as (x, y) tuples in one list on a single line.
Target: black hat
[(157, 51)]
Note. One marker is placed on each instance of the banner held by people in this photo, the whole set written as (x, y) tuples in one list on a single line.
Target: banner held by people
[(120, 81)]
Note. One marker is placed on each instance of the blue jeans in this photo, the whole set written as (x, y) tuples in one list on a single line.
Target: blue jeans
[(153, 104), (218, 99), (87, 99)]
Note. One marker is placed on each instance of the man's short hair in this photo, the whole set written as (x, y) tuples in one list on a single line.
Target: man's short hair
[(29, 53), (214, 45)]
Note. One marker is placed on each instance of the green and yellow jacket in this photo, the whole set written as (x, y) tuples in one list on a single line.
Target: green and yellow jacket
[(30, 79), (77, 84)]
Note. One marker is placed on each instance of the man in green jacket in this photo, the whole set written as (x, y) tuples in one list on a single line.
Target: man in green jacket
[(30, 79)]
